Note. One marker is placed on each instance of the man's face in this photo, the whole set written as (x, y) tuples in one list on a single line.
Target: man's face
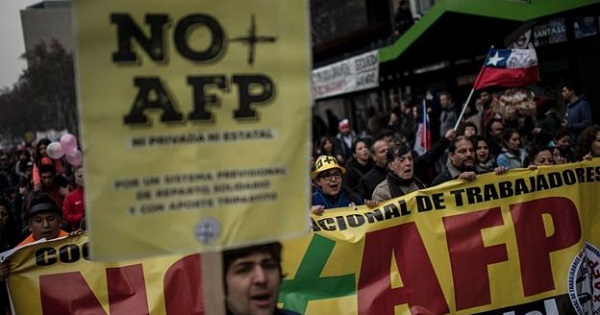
[(79, 177), (46, 179), (566, 93), (596, 146), (470, 131), (484, 98), (330, 181), (4, 217), (4, 161), (496, 129), (253, 285), (345, 129), (463, 156), (403, 166), (379, 156), (45, 225), (444, 101)]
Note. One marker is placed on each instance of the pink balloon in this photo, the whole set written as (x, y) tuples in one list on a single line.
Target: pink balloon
[(74, 158), (55, 150), (68, 142)]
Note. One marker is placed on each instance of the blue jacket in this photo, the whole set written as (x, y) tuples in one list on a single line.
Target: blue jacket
[(342, 200), (578, 116), (510, 160)]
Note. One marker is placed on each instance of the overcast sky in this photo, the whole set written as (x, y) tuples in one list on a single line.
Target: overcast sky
[(11, 66)]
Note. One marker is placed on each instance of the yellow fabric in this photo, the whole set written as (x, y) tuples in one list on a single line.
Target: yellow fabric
[(202, 121)]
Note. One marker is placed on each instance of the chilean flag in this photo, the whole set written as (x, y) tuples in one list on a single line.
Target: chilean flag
[(423, 138), (508, 68)]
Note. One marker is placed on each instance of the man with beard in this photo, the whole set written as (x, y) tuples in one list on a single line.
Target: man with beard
[(461, 161), (400, 178), (328, 176), (252, 277)]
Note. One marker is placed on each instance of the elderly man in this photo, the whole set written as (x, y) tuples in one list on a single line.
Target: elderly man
[(400, 179), (252, 277)]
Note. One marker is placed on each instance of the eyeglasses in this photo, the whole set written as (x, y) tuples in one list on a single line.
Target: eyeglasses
[(331, 176)]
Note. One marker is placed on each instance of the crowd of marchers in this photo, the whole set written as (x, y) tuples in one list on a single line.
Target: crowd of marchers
[(348, 170)]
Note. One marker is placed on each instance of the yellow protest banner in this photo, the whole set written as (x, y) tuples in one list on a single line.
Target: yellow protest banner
[(195, 123), (521, 243), (57, 277), (525, 242)]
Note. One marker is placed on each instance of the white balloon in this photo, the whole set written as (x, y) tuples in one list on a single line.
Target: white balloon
[(55, 150)]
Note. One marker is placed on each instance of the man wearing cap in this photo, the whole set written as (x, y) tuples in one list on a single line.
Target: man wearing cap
[(345, 139), (328, 176), (44, 220)]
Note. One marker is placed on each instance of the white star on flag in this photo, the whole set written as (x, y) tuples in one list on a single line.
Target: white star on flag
[(495, 59)]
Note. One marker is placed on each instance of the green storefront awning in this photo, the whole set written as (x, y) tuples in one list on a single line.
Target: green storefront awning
[(453, 29)]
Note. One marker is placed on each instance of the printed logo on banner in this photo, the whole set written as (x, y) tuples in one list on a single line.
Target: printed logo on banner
[(584, 277), (207, 230)]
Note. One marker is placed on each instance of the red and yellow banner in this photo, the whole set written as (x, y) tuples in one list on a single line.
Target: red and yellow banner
[(525, 242)]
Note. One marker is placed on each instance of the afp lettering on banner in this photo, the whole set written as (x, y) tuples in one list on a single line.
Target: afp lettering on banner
[(518, 243)]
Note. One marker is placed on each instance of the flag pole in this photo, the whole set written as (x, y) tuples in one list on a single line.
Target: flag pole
[(424, 119), (462, 112)]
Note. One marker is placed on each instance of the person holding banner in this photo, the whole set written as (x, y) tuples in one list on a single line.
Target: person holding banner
[(461, 162), (485, 160), (539, 156), (44, 219), (401, 179), (252, 277), (588, 146), (331, 193)]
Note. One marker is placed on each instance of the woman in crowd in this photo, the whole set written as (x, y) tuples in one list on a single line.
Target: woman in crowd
[(588, 145), (41, 158), (327, 147), (540, 156), (22, 163), (512, 155), (359, 164), (557, 156), (400, 179), (331, 193), (485, 160), (562, 141)]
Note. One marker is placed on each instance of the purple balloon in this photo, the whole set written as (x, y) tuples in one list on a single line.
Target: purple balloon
[(68, 142), (74, 158)]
